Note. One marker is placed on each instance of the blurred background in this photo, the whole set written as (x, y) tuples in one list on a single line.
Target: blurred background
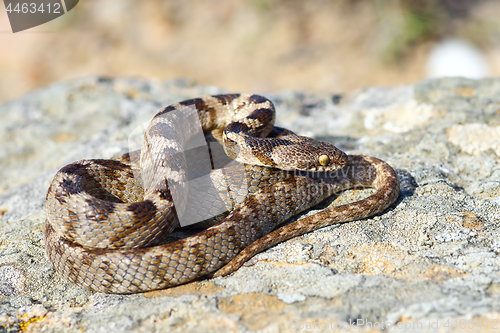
[(257, 45)]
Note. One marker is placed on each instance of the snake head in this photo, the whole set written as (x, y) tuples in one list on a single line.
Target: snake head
[(286, 152), (309, 155)]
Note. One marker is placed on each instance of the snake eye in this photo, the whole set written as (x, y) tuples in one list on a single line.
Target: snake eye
[(324, 160)]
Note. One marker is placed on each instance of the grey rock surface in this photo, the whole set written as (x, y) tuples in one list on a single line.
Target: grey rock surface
[(429, 263)]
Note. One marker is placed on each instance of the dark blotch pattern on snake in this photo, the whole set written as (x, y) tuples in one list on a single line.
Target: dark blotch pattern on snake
[(106, 219)]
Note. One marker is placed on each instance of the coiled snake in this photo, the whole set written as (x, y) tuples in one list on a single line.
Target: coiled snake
[(106, 219)]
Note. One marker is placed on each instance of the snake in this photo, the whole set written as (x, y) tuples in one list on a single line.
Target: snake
[(109, 221)]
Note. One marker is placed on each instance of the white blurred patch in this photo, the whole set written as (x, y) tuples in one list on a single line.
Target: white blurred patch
[(457, 57)]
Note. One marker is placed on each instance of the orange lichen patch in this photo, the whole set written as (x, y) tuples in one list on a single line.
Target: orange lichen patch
[(472, 221), (251, 303), (385, 259), (380, 258), (3, 210), (404, 319), (475, 138), (255, 309), (452, 219), (64, 137), (494, 288), (26, 323), (441, 273), (465, 91), (205, 288), (132, 93)]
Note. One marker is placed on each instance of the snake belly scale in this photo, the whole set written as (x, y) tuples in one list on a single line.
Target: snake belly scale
[(107, 219)]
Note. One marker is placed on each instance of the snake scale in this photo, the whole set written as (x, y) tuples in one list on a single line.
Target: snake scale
[(107, 220)]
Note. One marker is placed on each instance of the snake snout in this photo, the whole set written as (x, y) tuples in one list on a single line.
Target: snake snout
[(325, 156), (330, 160)]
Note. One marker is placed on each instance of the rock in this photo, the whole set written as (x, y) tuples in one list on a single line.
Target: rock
[(429, 261)]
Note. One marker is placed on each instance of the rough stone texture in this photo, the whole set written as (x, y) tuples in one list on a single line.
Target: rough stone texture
[(429, 262)]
